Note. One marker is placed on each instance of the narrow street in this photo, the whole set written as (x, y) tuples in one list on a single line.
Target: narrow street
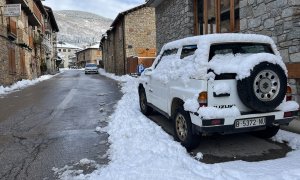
[(52, 124)]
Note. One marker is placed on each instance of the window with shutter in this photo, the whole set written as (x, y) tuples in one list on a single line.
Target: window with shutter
[(12, 61), (22, 62)]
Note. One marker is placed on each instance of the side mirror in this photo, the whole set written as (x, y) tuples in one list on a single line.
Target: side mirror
[(148, 72)]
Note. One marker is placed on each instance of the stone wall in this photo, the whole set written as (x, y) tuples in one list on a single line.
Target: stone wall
[(175, 20), (134, 30), (108, 53), (3, 47), (140, 31), (119, 47), (92, 55), (278, 19)]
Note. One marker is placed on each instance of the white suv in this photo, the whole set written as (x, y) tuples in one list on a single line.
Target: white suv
[(219, 83)]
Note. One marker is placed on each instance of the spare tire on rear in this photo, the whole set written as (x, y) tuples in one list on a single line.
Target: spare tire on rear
[(264, 89)]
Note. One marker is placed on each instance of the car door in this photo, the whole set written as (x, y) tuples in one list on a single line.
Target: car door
[(158, 85)]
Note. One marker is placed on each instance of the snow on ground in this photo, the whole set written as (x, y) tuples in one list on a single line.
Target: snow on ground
[(22, 84), (140, 149)]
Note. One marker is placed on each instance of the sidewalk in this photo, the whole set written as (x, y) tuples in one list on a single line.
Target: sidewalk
[(293, 127)]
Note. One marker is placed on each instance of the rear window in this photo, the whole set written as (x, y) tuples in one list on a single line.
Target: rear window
[(91, 65), (239, 48)]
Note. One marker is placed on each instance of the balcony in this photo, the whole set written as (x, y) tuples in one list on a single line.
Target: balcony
[(37, 12), (47, 45), (48, 28), (12, 29), (35, 16)]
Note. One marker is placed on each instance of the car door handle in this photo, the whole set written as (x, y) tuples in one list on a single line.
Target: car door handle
[(150, 90)]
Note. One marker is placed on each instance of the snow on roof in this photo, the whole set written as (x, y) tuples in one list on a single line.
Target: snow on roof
[(67, 45), (95, 46)]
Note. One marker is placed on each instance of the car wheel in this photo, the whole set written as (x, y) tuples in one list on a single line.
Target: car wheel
[(267, 133), (264, 89), (183, 130), (145, 108)]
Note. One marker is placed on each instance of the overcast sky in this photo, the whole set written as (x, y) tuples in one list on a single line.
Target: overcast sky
[(106, 8)]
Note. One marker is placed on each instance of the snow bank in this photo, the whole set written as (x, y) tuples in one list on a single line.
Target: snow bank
[(140, 149), (23, 84)]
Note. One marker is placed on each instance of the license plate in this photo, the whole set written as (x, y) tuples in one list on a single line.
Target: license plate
[(250, 122)]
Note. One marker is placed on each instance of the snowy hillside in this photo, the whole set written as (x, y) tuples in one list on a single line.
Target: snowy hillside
[(80, 28)]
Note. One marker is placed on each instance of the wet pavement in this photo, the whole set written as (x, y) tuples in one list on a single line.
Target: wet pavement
[(224, 148), (52, 124)]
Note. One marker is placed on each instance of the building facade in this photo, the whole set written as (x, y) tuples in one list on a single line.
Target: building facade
[(131, 33), (278, 19), (66, 52), (49, 41), (21, 51), (91, 54)]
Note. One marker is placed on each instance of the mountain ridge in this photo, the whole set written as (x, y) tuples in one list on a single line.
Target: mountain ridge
[(79, 27)]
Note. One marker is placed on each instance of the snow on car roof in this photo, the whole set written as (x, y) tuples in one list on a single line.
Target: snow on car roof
[(220, 38)]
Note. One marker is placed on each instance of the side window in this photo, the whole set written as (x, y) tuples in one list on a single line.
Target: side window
[(188, 51), (166, 53)]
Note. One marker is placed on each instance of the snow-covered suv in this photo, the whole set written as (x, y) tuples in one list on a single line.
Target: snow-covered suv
[(219, 83)]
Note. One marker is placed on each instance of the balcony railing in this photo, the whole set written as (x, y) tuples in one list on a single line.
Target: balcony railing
[(47, 44), (12, 28)]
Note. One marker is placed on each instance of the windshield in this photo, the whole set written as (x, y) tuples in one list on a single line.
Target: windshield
[(239, 48), (91, 65)]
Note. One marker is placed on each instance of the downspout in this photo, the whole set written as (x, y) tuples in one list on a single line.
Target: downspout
[(124, 44)]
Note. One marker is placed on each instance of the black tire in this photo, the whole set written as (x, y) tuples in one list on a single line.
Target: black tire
[(183, 131), (264, 89), (145, 108), (267, 133)]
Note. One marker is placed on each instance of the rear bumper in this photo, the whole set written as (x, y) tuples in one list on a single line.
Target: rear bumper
[(272, 119), (228, 129)]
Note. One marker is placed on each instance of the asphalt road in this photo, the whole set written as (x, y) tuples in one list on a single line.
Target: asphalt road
[(52, 124), (224, 148)]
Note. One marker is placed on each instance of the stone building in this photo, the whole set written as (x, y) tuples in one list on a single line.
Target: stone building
[(49, 41), (91, 54), (66, 51), (132, 33), (279, 19), (21, 50)]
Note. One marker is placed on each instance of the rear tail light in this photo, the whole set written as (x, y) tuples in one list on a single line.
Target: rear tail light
[(213, 122), (288, 114), (216, 122), (288, 93), (202, 99)]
